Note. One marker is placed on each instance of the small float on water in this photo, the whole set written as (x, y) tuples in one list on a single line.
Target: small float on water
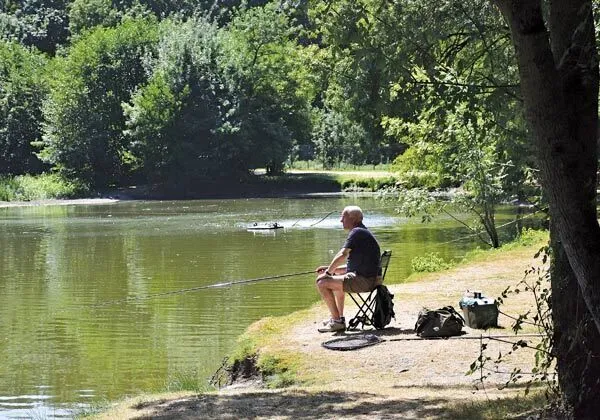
[(268, 226)]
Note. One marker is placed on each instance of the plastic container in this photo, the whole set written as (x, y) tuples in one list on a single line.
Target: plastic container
[(480, 312)]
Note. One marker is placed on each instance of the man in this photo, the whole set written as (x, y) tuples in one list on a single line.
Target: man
[(360, 274)]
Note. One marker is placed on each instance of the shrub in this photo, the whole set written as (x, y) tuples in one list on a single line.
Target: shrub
[(40, 187), (429, 263), (367, 184)]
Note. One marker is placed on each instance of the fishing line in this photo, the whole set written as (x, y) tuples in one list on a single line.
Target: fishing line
[(464, 337), (326, 216), (193, 289)]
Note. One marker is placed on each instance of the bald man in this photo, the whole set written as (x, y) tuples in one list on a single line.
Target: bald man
[(355, 268)]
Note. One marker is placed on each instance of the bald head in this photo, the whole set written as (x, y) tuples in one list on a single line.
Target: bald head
[(352, 216)]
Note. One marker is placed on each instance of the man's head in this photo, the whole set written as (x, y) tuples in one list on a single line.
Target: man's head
[(352, 216)]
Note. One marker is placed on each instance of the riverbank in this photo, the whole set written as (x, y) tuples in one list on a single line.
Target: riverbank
[(53, 190), (402, 377)]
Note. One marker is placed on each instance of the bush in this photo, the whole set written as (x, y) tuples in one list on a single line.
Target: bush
[(40, 187), (367, 184), (429, 263), (8, 188), (527, 237)]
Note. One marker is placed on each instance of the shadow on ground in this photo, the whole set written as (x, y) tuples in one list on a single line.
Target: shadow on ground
[(291, 405), (288, 404)]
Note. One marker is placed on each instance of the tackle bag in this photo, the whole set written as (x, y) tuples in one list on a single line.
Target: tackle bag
[(443, 322), (384, 308)]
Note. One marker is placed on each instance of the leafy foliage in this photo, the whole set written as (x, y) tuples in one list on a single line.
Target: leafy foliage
[(21, 95), (40, 187), (39, 23), (83, 133), (429, 263), (261, 83), (544, 368)]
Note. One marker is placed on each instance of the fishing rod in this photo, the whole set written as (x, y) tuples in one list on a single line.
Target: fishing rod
[(193, 289), (316, 223)]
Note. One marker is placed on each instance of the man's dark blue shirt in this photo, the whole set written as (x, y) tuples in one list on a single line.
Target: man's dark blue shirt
[(364, 256)]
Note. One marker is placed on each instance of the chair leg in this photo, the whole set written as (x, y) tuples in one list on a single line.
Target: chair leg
[(364, 316)]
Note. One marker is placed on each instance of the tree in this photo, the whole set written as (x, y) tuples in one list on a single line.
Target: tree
[(86, 14), (558, 66), (39, 23), (176, 122), (267, 69), (84, 121), (21, 95)]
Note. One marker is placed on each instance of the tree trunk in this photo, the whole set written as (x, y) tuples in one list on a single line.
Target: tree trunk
[(576, 339), (559, 83), (561, 104)]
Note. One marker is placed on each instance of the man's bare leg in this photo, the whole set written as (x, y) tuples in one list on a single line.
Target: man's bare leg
[(339, 301), (330, 288)]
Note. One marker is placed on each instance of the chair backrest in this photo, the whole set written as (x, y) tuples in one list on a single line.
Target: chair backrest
[(384, 261)]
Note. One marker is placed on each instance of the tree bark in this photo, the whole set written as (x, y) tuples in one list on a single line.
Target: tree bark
[(559, 82), (576, 340)]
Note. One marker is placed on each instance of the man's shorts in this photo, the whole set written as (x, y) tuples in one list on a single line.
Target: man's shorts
[(355, 283)]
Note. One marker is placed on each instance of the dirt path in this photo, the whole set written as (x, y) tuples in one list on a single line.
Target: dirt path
[(402, 377)]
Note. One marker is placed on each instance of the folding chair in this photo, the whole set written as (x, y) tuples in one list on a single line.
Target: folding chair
[(366, 307)]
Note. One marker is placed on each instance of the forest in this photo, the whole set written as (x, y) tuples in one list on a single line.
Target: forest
[(120, 92)]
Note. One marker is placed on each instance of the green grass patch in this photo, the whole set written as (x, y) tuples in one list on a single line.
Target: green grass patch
[(90, 410), (39, 187), (504, 408), (278, 368), (187, 381), (314, 165), (429, 263), (529, 238)]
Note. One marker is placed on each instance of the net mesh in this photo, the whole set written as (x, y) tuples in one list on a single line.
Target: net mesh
[(352, 342)]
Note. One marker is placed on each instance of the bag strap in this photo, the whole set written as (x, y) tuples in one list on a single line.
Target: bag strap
[(453, 312)]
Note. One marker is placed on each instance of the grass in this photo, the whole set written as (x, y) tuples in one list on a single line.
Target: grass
[(369, 181), (38, 187), (505, 408), (313, 165), (278, 368), (429, 265), (348, 177)]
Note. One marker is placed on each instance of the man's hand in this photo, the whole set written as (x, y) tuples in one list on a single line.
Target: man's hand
[(323, 275), (321, 269)]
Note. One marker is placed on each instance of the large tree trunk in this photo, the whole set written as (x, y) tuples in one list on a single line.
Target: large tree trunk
[(559, 82), (576, 339)]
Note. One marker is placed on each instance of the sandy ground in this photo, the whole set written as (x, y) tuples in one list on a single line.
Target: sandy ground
[(402, 377)]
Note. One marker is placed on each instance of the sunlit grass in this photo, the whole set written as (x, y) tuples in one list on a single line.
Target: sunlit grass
[(279, 368), (313, 165), (39, 187)]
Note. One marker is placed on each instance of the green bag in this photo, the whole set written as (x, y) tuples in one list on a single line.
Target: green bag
[(443, 322)]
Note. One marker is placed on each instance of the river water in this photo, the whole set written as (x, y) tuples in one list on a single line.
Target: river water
[(86, 309)]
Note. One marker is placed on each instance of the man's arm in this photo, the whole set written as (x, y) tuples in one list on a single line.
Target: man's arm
[(336, 265)]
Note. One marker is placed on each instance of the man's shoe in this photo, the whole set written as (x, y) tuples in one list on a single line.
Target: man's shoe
[(327, 321), (333, 326)]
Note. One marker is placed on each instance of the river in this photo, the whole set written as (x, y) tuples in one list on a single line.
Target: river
[(95, 302)]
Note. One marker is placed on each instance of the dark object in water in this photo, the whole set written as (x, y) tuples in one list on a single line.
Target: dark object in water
[(269, 226)]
